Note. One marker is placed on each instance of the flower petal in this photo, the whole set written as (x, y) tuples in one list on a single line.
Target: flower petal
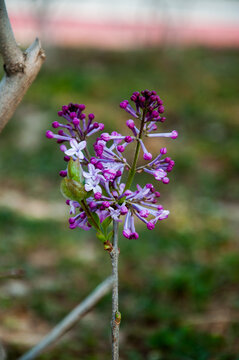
[(70, 152)]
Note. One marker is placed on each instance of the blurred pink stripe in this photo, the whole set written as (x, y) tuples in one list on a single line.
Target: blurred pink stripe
[(65, 32)]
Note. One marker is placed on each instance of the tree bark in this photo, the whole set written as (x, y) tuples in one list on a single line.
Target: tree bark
[(21, 68)]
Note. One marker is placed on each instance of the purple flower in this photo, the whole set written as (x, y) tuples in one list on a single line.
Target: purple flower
[(76, 149), (92, 179), (107, 195), (129, 228)]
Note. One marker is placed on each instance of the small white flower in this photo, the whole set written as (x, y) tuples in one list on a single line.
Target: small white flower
[(91, 185), (114, 213), (76, 149)]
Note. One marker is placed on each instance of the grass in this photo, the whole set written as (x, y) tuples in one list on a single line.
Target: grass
[(179, 284)]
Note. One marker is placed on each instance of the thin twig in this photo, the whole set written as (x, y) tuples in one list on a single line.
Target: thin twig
[(21, 68), (70, 320), (116, 316)]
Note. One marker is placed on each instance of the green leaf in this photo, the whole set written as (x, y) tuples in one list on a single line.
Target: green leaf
[(74, 170), (96, 218), (101, 236), (109, 235), (64, 189), (105, 224), (73, 190)]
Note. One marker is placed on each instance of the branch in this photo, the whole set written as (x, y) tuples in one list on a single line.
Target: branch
[(21, 68), (12, 55), (116, 316), (70, 320)]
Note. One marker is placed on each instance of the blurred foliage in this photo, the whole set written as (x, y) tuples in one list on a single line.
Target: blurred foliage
[(179, 284)]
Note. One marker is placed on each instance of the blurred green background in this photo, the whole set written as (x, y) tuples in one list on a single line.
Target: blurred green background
[(179, 284)]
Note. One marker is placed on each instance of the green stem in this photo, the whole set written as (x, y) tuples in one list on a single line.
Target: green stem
[(133, 168), (87, 153), (136, 156)]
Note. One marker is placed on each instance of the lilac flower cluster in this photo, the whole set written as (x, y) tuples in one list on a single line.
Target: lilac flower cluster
[(98, 188)]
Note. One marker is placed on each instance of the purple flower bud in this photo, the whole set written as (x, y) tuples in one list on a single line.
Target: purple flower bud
[(60, 113), (67, 158), (123, 210), (65, 108), (92, 204), (63, 148), (93, 160), (147, 156), (97, 195), (96, 125), (105, 136), (49, 134), (67, 202), (155, 114), (118, 173), (120, 148), (72, 115), (81, 107), (142, 99), (162, 119), (124, 104), (161, 109), (149, 186), (55, 124), (130, 124), (99, 165), (71, 220), (127, 233), (106, 204), (134, 235), (150, 225), (153, 127), (76, 121), (101, 126), (163, 151), (91, 116), (144, 213), (166, 180), (128, 139), (63, 173), (157, 194), (174, 134)]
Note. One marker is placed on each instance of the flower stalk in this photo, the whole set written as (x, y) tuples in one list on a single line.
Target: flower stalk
[(116, 316), (136, 156)]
